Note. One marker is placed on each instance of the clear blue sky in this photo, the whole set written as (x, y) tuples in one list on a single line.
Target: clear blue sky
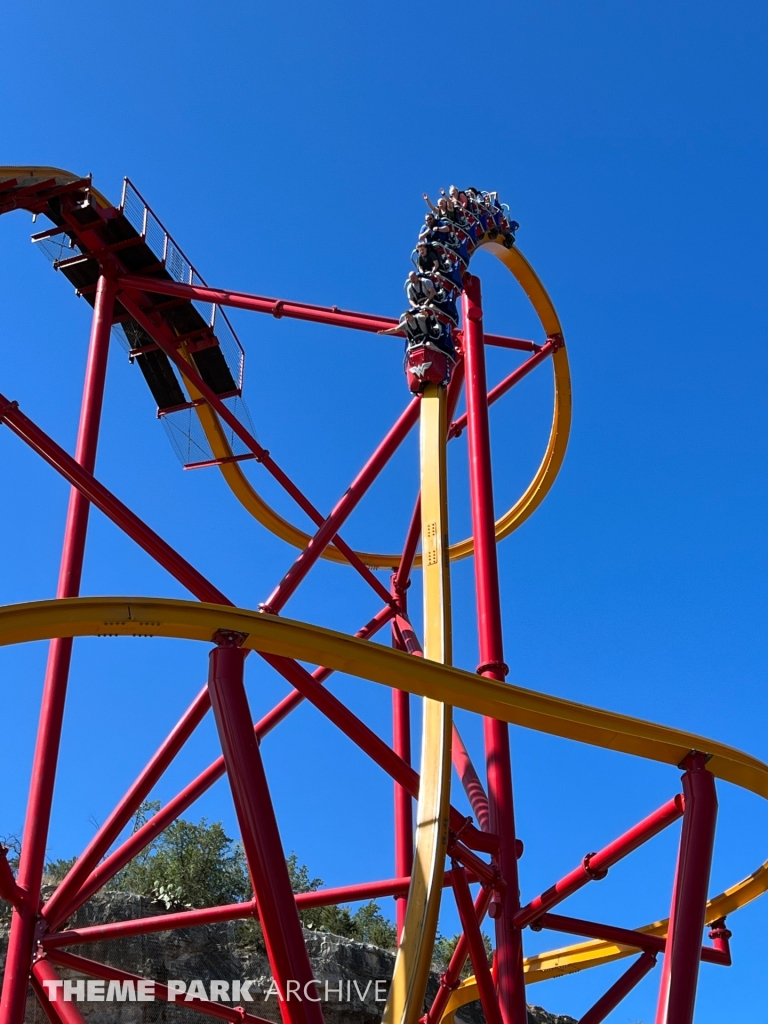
[(287, 147)]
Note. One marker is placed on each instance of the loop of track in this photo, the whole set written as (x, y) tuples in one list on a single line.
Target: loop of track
[(528, 502)]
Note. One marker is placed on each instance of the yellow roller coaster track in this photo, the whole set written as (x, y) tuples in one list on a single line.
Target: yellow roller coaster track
[(141, 616), (441, 686)]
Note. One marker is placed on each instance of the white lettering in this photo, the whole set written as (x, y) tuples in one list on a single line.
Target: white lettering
[(52, 986), (349, 997), (362, 995), (377, 997), (219, 991), (241, 990), (290, 988), (176, 988), (307, 995), (74, 988), (95, 991), (339, 991), (196, 990), (273, 990), (120, 991), (146, 991)]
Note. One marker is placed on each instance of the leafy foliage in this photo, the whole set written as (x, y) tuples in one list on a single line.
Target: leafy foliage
[(443, 952), (197, 865)]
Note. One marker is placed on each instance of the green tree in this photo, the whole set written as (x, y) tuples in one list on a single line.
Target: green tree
[(187, 866), (443, 951)]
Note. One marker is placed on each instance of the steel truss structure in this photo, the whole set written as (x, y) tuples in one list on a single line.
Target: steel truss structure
[(135, 277)]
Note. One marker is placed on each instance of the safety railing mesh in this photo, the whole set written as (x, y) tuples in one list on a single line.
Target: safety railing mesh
[(188, 439), (179, 268)]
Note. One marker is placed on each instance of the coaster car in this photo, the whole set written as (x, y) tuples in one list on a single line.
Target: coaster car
[(427, 364)]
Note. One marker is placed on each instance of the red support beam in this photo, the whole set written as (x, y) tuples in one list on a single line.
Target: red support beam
[(449, 980), (550, 346), (477, 953), (509, 947), (45, 980), (373, 745), (127, 807), (230, 912), (595, 865), (621, 988), (287, 952), (343, 509), (106, 502), (175, 807), (624, 936), (94, 969), (279, 308), (401, 744), (169, 346), (677, 994), (37, 820)]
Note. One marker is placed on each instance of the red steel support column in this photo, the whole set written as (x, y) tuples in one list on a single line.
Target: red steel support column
[(401, 744), (621, 988), (37, 820), (677, 994), (279, 918), (509, 949)]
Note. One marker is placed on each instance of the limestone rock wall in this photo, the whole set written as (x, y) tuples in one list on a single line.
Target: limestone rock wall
[(347, 971)]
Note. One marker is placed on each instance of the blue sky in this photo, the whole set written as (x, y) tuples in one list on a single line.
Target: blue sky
[(287, 147)]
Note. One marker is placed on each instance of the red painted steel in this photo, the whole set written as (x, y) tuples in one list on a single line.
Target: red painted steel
[(477, 954), (344, 508), (509, 947), (60, 1010), (9, 890), (596, 865), (288, 957), (677, 995), (449, 980), (43, 776), (330, 315), (167, 814), (721, 937), (373, 745), (623, 936), (106, 502), (550, 346), (621, 988), (470, 780), (168, 345), (230, 912), (98, 970), (57, 908), (401, 744)]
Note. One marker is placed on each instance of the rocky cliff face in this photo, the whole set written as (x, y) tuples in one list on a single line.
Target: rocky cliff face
[(347, 972)]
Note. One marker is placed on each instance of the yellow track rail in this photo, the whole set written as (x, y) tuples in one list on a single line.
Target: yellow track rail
[(536, 491), (405, 1003), (252, 501), (191, 620)]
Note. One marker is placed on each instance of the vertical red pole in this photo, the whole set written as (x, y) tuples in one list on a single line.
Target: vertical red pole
[(278, 915), (401, 743), (677, 995), (509, 949), (40, 798)]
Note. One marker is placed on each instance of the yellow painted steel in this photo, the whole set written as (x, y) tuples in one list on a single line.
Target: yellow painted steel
[(536, 491), (30, 175), (247, 495), (192, 620), (405, 1002)]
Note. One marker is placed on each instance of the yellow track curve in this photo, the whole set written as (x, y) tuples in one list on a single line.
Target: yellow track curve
[(432, 678), (191, 620), (536, 491), (252, 501)]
